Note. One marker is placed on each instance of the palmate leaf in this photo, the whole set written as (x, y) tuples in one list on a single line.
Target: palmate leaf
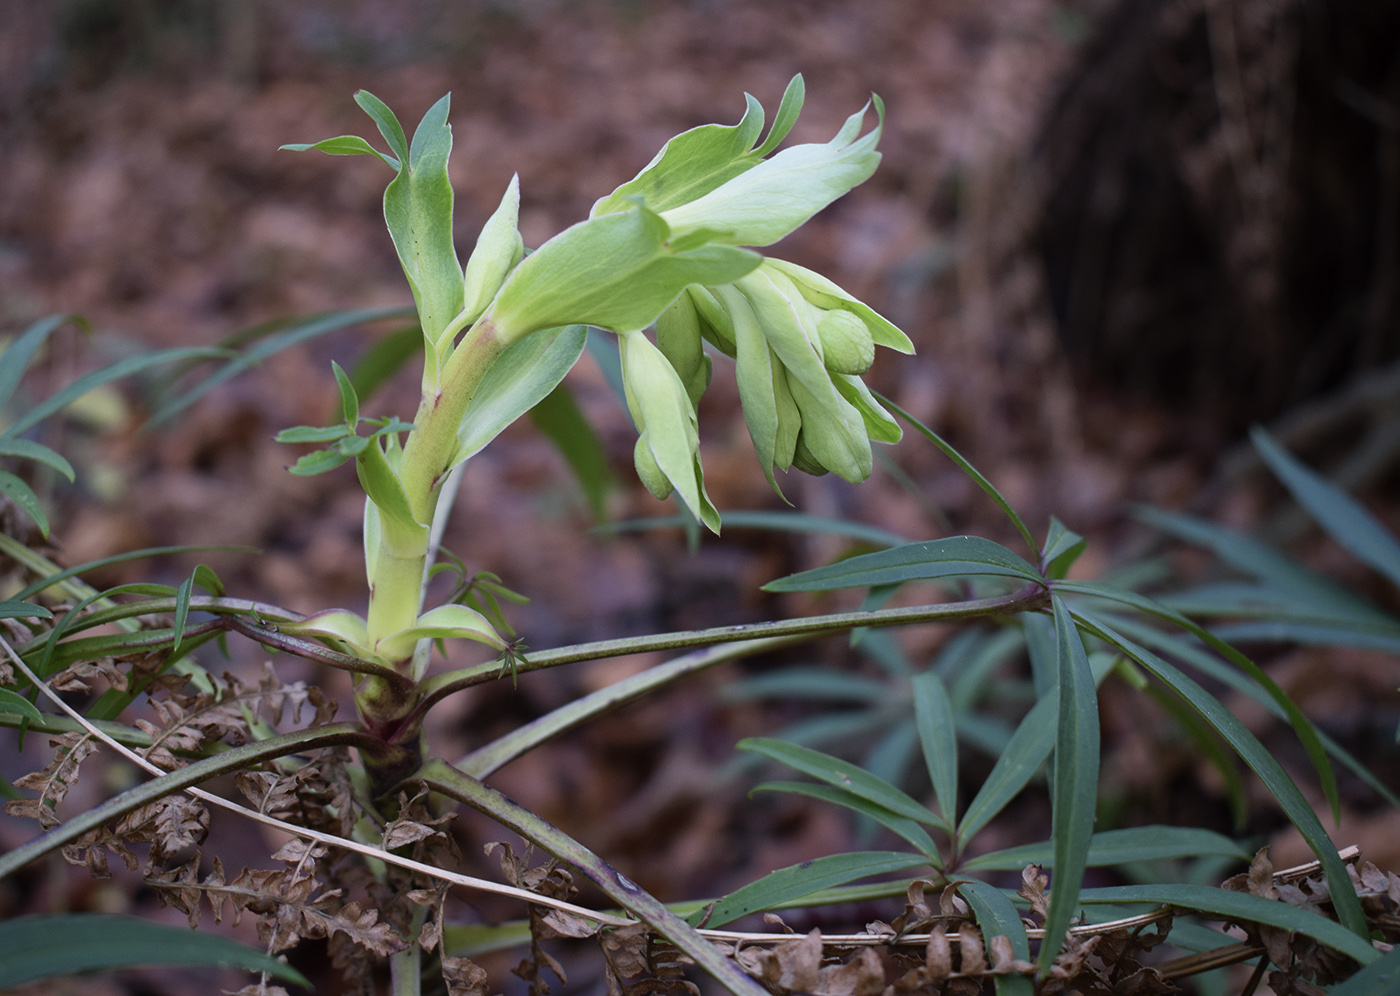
[(788, 885), (1307, 734), (1253, 753), (42, 947)]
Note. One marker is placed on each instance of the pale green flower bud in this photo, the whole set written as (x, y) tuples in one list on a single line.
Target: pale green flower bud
[(669, 445), (847, 346), (678, 338), (498, 249), (649, 471)]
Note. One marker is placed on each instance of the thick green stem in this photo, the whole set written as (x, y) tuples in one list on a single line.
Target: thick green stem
[(396, 587)]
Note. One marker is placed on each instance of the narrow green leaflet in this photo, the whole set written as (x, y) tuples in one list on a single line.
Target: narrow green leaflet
[(1260, 561), (23, 495), (1241, 906), (842, 774), (1116, 847), (901, 826), (114, 371), (938, 736), (42, 947), (1380, 978), (520, 379), (206, 579), (998, 917), (1075, 787), (13, 702), (38, 452), (341, 145), (17, 609), (270, 339), (1030, 745), (987, 487), (386, 122), (788, 885), (1062, 548), (15, 359), (955, 556), (1339, 514), (1269, 771), (1300, 723)]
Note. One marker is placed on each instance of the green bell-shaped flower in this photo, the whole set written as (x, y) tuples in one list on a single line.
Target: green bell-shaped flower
[(667, 453), (800, 343)]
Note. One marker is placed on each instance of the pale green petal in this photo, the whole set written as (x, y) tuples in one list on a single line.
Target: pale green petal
[(825, 294)]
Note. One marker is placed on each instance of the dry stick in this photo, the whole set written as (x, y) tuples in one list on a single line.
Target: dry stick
[(468, 881), (1235, 954)]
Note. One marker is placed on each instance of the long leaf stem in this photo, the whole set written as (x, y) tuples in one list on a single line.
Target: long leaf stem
[(1028, 599)]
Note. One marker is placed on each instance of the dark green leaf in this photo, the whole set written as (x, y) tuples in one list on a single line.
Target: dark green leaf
[(1062, 549), (1269, 771), (1116, 847), (1339, 514), (955, 556), (999, 918), (15, 359), (796, 881), (13, 702), (1075, 788), (842, 774), (43, 584), (1300, 723), (31, 450), (967, 468), (23, 496), (41, 947), (901, 826), (1241, 906), (933, 712), (122, 368), (271, 338), (16, 609)]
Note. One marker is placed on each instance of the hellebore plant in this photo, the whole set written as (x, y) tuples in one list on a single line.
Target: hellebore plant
[(668, 247), (673, 248)]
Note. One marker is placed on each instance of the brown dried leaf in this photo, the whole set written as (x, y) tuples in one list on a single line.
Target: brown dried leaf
[(464, 977), (938, 953), (973, 959), (863, 975), (75, 677), (798, 962), (1033, 883), (625, 949)]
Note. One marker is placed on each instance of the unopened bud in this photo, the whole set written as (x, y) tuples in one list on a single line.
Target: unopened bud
[(649, 471), (847, 346)]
